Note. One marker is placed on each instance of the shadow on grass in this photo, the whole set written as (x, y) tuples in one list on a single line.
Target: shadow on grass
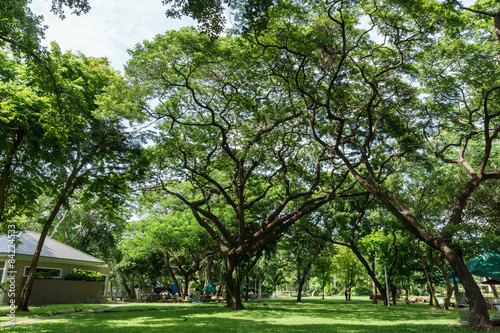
[(271, 316)]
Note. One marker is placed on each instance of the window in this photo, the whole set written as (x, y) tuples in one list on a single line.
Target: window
[(104, 278), (45, 272)]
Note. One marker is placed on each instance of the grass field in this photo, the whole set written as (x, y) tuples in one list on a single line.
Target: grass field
[(280, 315)]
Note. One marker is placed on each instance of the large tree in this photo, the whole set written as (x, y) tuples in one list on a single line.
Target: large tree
[(22, 132), (83, 151), (247, 165), (428, 84), (426, 78), (22, 125)]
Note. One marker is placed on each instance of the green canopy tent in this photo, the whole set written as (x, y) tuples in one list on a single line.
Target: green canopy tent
[(209, 287), (484, 265)]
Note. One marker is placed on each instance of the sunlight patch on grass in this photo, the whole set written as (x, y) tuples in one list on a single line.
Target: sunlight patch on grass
[(50, 310), (281, 315)]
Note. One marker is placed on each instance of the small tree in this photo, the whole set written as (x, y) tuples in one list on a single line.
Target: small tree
[(323, 266), (348, 268), (85, 151)]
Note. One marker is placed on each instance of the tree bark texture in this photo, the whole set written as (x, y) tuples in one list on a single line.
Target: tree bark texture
[(233, 286), (479, 316)]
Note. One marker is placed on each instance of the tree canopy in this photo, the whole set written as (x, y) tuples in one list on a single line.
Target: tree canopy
[(365, 122)]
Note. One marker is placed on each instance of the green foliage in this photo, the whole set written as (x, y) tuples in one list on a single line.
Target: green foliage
[(234, 153), (197, 285), (332, 290), (363, 291), (45, 274), (145, 263), (415, 292), (23, 30), (210, 14), (52, 134), (80, 275), (347, 267), (257, 130)]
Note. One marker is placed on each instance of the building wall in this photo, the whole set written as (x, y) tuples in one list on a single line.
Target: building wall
[(66, 268), (47, 291)]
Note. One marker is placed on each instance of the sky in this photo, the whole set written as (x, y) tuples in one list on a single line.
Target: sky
[(109, 29)]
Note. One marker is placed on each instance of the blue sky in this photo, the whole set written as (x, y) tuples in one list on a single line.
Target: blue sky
[(109, 29)]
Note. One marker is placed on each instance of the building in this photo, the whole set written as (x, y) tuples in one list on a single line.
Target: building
[(57, 260)]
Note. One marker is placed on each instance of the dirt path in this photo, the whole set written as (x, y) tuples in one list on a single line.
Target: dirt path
[(59, 315)]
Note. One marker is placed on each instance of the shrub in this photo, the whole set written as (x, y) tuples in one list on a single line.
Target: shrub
[(415, 292), (332, 291), (78, 274), (197, 286), (45, 274), (363, 291)]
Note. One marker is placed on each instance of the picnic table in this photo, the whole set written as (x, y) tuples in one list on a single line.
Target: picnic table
[(212, 299)]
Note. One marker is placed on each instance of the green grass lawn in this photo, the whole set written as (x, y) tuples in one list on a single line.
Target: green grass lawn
[(280, 315)]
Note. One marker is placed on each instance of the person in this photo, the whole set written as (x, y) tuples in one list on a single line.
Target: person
[(345, 293)]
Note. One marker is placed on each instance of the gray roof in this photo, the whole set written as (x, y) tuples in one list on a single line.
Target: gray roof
[(51, 248)]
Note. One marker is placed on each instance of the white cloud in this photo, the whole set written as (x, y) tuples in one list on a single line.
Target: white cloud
[(109, 29)]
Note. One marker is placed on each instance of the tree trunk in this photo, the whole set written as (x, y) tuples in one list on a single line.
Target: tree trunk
[(433, 298), (186, 285), (144, 291), (125, 285), (133, 294), (28, 285), (208, 269), (425, 266), (233, 287), (369, 270), (493, 289), (323, 285), (449, 287), (169, 268), (6, 170), (374, 285), (248, 285), (299, 290), (479, 317)]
